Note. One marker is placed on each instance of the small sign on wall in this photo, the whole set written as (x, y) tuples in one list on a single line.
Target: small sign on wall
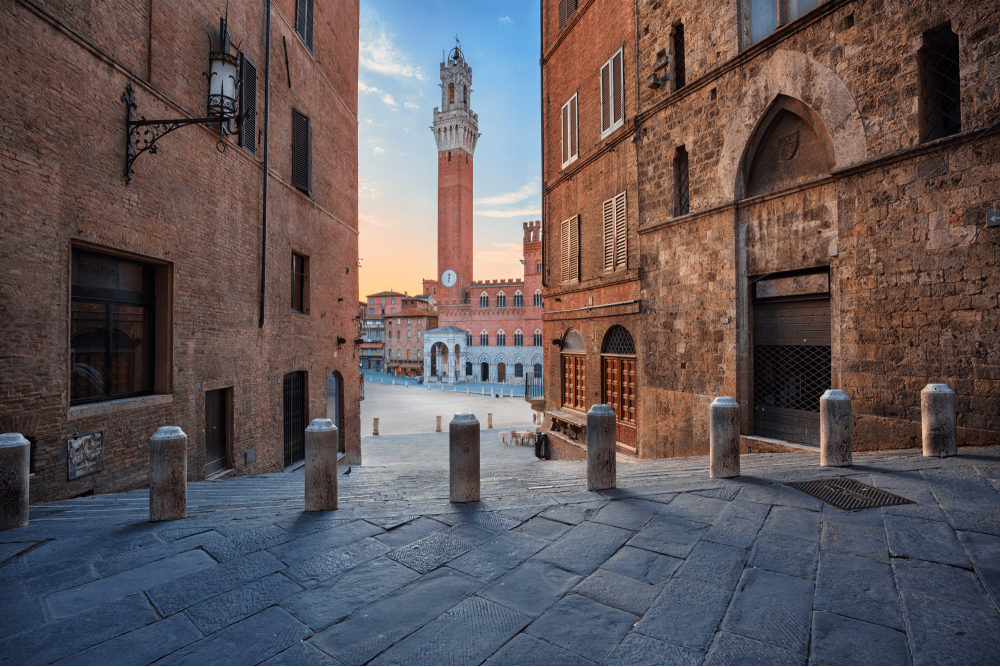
[(993, 219), (85, 453)]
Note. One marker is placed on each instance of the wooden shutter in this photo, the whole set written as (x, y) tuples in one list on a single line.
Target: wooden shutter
[(574, 132), (618, 87), (606, 97), (565, 133), (310, 4), (301, 152), (609, 234), (621, 231), (304, 21), (574, 248), (563, 13), (248, 107)]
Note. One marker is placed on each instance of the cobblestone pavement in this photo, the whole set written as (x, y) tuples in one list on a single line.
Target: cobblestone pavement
[(404, 410), (670, 568)]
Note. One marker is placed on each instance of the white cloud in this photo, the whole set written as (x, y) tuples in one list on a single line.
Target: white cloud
[(504, 19), (410, 105), (504, 253), (377, 53), (379, 149), (368, 191), (386, 97), (522, 193), (369, 121), (532, 213)]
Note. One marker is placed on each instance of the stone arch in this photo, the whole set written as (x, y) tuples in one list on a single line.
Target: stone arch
[(797, 76)]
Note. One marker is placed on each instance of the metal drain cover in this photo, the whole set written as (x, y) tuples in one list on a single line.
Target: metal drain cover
[(848, 494)]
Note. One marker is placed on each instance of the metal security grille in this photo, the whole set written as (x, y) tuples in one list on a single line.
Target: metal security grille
[(683, 182), (791, 368), (618, 341), (295, 416), (941, 84), (848, 494)]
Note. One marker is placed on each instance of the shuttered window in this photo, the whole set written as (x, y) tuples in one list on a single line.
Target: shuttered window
[(566, 9), (570, 132), (570, 249), (304, 21), (248, 107), (301, 152), (612, 94), (615, 233)]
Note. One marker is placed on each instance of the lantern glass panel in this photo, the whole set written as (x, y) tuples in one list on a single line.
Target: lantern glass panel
[(222, 89)]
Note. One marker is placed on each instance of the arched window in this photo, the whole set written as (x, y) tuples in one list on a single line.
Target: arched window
[(518, 370), (484, 338), (538, 338), (465, 94), (501, 300), (484, 300), (501, 338), (518, 339), (518, 299), (451, 93), (468, 340), (538, 369), (538, 297)]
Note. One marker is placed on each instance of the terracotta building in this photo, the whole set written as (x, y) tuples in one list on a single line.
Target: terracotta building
[(404, 340), (209, 283), (488, 330), (812, 187)]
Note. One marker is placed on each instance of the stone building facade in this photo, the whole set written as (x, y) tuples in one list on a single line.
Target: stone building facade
[(813, 183), (164, 300), (404, 340)]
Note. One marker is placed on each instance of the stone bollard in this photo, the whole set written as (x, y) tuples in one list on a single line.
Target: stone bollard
[(463, 458), (937, 420), (489, 420), (438, 428), (168, 474), (835, 429), (724, 437), (375, 426), (322, 441), (15, 467), (482, 390), (602, 466)]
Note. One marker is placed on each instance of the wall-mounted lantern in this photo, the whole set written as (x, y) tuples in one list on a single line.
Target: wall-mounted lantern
[(224, 83)]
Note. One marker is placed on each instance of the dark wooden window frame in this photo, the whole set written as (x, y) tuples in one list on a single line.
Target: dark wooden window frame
[(301, 152)]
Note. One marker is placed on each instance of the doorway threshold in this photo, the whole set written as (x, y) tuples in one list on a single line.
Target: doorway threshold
[(295, 466), (218, 475)]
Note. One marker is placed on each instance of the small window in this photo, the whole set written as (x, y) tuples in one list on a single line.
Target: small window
[(518, 338), (763, 17), (304, 21), (566, 9), (615, 233), (612, 93), (409, 334), (484, 300), (941, 84), (682, 183), (301, 152), (537, 338), (538, 267), (371, 311), (468, 338), (465, 94), (518, 300), (300, 283), (248, 106), (538, 297), (680, 73), (570, 132), (501, 338), (484, 338), (111, 327), (393, 300), (570, 249), (501, 300)]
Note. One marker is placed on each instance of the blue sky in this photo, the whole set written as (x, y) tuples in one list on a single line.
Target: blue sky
[(398, 88)]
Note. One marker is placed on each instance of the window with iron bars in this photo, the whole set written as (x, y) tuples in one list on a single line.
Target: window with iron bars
[(682, 183), (941, 84)]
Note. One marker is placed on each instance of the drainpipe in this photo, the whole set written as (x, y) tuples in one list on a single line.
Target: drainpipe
[(541, 80), (267, 118)]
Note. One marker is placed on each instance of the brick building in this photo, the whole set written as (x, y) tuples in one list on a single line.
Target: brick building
[(404, 340), (501, 319), (812, 186), (199, 293)]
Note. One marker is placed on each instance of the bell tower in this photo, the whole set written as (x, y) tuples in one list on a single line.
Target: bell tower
[(456, 131)]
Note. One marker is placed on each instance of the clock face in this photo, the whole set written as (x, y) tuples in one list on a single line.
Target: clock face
[(448, 278)]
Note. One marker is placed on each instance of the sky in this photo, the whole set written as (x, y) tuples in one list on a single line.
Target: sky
[(398, 87)]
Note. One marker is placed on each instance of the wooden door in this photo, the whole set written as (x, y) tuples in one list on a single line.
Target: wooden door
[(619, 393), (501, 372), (294, 416), (574, 381), (216, 430)]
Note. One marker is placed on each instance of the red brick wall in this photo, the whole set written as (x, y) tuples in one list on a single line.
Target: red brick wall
[(454, 220)]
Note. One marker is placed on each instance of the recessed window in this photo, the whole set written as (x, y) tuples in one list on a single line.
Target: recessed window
[(484, 300), (612, 93), (680, 72), (501, 338), (570, 132), (566, 10), (518, 300), (682, 183), (112, 322), (537, 342), (941, 84), (518, 338), (538, 299), (300, 283), (501, 300), (304, 21), (484, 338), (765, 16)]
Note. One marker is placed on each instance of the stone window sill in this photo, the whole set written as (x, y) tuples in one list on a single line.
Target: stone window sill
[(118, 405)]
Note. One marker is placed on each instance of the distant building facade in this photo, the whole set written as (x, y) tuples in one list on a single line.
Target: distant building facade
[(174, 295), (807, 211), (405, 341), (500, 320)]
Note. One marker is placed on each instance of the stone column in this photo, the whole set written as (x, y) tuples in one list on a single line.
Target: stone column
[(602, 466), (835, 429), (724, 437), (375, 426), (321, 465), (15, 466), (463, 458), (168, 474), (489, 420), (437, 429), (937, 420)]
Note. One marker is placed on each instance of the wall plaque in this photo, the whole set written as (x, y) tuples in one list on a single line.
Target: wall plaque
[(85, 453)]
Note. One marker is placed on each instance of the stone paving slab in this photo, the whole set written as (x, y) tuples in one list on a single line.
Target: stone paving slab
[(670, 567)]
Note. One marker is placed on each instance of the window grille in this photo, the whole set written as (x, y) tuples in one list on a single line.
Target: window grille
[(570, 249), (679, 69), (615, 233), (618, 341), (248, 107), (682, 181), (570, 132), (612, 94), (941, 80), (301, 152), (304, 21), (566, 9)]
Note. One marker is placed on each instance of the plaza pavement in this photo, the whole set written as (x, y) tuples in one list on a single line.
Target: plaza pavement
[(671, 568)]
